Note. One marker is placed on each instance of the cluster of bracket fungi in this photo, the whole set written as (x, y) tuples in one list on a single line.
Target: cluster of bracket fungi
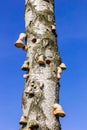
[(42, 60)]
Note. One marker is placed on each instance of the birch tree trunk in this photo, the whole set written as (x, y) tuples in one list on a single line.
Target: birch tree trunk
[(41, 89)]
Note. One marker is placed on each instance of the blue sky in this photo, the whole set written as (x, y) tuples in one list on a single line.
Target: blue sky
[(71, 22)]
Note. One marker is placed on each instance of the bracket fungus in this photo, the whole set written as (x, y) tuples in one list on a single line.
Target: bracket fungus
[(53, 27), (33, 124), (23, 120), (25, 76), (31, 92), (22, 36), (62, 66), (41, 60), (32, 82), (59, 70), (58, 110), (25, 66), (58, 75), (19, 43), (27, 90)]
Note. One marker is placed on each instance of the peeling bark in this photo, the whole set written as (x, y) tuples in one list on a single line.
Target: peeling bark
[(38, 101)]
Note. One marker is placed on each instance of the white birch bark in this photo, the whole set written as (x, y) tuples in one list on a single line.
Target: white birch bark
[(41, 40)]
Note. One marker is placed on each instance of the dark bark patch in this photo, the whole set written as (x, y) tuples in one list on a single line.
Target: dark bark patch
[(42, 65), (23, 126), (34, 40), (47, 1), (48, 61), (31, 95)]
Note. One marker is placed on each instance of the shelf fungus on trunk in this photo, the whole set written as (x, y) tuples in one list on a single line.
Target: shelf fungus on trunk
[(32, 82), (23, 120), (58, 110), (22, 36), (27, 90), (25, 66), (53, 28), (41, 60), (19, 43), (59, 70), (62, 66), (33, 124), (58, 75), (25, 76)]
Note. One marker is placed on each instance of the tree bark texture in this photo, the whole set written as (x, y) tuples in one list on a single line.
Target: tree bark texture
[(42, 82)]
